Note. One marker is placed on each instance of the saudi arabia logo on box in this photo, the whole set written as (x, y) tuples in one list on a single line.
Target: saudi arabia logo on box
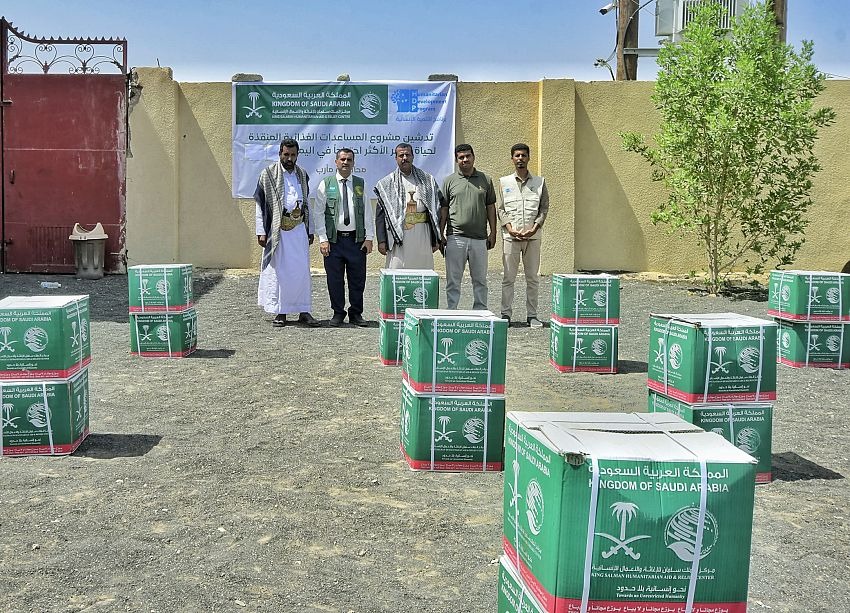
[(802, 295), (585, 299), (447, 351), (712, 357), (43, 337), (594, 522)]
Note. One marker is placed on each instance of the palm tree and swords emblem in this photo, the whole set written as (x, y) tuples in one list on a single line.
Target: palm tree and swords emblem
[(253, 110), (720, 365), (445, 355), (6, 344), (8, 420), (445, 435), (624, 512), (661, 352)]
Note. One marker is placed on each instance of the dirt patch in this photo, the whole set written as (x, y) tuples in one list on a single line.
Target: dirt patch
[(263, 472)]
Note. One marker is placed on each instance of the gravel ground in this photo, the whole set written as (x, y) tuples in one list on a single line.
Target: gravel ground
[(263, 472)]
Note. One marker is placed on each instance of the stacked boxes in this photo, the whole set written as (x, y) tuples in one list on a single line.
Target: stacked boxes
[(607, 512), (584, 324), (400, 290), (812, 310), (453, 404), (44, 386), (717, 370), (747, 425), (163, 321)]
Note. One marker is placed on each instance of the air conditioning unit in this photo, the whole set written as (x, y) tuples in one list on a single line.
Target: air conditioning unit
[(671, 16)]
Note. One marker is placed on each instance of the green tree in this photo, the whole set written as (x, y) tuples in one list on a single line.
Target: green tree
[(735, 149)]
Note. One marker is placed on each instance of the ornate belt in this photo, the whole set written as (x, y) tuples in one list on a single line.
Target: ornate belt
[(290, 223), (411, 219)]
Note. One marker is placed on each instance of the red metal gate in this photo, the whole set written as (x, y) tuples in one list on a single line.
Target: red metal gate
[(64, 144)]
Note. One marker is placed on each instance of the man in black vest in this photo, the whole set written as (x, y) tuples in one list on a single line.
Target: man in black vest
[(345, 225)]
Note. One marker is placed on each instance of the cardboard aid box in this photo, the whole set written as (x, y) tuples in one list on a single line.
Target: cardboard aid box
[(747, 425), (586, 299), (447, 351), (44, 337), (806, 295), (624, 513), (452, 433), (48, 417), (390, 337), (712, 357), (817, 344), (583, 348), (407, 288), (160, 287), (163, 335), (514, 596)]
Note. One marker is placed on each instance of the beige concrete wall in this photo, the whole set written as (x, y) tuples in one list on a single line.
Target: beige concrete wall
[(179, 206)]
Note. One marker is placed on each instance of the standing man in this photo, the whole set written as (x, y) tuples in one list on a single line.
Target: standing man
[(468, 208), (344, 223), (284, 233), (406, 216), (523, 205)]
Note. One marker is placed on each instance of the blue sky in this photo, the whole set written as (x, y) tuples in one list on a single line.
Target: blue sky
[(381, 40)]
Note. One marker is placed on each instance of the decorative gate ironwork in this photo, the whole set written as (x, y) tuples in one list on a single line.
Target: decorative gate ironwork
[(64, 143)]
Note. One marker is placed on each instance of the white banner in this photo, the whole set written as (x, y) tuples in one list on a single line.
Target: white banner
[(370, 118)]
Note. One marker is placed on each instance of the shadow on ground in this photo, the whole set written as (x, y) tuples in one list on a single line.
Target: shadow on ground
[(789, 466), (109, 446), (631, 366)]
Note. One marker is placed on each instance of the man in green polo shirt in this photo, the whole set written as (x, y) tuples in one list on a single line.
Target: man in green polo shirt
[(468, 208)]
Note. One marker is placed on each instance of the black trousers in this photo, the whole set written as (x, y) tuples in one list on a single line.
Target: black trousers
[(346, 260)]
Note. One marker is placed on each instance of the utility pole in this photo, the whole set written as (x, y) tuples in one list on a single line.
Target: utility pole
[(627, 37), (780, 11)]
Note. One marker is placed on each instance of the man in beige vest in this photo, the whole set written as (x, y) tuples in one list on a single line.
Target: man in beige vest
[(523, 202)]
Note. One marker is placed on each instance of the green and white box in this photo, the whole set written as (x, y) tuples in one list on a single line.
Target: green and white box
[(806, 295), (452, 433), (585, 299), (48, 417), (712, 357), (747, 425), (43, 337), (583, 348), (628, 516), (446, 351), (403, 289), (164, 335), (514, 597), (817, 344), (390, 337), (160, 287)]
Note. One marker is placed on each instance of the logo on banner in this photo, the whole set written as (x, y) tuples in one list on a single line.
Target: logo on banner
[(833, 295), (370, 105), (600, 298), (406, 100), (833, 343), (253, 110)]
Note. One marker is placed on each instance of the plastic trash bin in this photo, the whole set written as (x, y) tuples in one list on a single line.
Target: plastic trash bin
[(89, 251)]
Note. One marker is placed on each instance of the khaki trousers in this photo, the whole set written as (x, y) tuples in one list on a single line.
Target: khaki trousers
[(512, 253)]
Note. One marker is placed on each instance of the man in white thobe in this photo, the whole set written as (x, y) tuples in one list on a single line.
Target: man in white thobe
[(407, 214), (284, 232)]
